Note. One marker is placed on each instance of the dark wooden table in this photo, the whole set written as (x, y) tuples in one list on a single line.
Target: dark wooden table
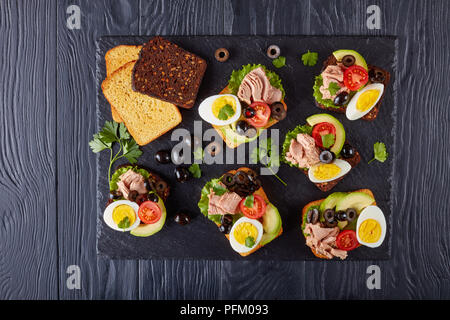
[(47, 172)]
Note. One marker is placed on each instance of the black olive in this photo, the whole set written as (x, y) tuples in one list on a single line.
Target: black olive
[(161, 187), (225, 228), (312, 216), (114, 195), (227, 219), (348, 60), (351, 214), (133, 195), (182, 174), (228, 180), (277, 111), (327, 156), (376, 76), (249, 112), (141, 198), (273, 51), (331, 224), (341, 98), (153, 197), (214, 148), (341, 216), (245, 129), (163, 156), (221, 54), (328, 215), (241, 177), (182, 218), (348, 151)]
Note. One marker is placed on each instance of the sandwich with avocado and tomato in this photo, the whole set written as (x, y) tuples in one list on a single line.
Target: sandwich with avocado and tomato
[(136, 201), (342, 222), (347, 84), (252, 101), (238, 205), (320, 150)]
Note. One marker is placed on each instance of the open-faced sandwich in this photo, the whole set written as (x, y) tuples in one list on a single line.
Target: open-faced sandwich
[(320, 150), (238, 205), (348, 85), (252, 101), (136, 201), (342, 222)]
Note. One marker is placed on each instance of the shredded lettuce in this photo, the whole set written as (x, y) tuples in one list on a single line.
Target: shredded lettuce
[(293, 135), (238, 75), (116, 176)]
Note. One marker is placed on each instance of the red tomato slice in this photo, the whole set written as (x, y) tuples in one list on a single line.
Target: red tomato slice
[(149, 212), (346, 240), (355, 77), (321, 129), (262, 115), (258, 210)]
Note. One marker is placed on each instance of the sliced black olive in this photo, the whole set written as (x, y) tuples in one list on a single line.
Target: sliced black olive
[(327, 156), (376, 75), (114, 195), (163, 156), (242, 127), (312, 216), (228, 180), (348, 60), (273, 51), (227, 219), (161, 187), (181, 174), (328, 215), (277, 111), (241, 177), (177, 156), (225, 228), (331, 224), (133, 195), (348, 151), (141, 198), (182, 218), (214, 148), (249, 112), (341, 98), (221, 54), (153, 197), (341, 216), (351, 214)]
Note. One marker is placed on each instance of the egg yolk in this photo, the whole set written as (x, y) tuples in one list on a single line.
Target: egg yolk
[(326, 171), (244, 230), (370, 231), (121, 212), (221, 102), (367, 99)]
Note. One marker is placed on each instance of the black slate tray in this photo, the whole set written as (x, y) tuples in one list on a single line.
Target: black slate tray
[(201, 239)]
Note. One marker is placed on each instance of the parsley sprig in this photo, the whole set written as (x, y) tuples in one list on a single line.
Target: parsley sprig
[(310, 58), (379, 150), (112, 133), (264, 155)]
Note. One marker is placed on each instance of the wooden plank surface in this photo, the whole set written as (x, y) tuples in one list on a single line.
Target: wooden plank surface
[(33, 260)]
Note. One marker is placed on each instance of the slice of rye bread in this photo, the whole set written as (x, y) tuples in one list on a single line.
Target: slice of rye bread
[(167, 72), (235, 144), (261, 193), (327, 186), (146, 118), (318, 202), (372, 113), (116, 58)]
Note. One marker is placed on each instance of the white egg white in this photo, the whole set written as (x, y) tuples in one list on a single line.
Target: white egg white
[(206, 113), (375, 213), (344, 165), (107, 215), (242, 248), (354, 114)]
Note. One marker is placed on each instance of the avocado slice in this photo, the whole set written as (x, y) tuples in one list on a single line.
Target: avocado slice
[(146, 230), (355, 200), (340, 131), (271, 224), (230, 133), (331, 200), (359, 60)]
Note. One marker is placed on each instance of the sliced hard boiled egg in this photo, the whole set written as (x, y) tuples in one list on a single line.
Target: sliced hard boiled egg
[(245, 234), (371, 227), (220, 110), (122, 215), (325, 172), (364, 101)]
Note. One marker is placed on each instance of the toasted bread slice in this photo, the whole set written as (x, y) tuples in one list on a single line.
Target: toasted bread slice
[(116, 58), (261, 193), (318, 202), (374, 112), (145, 117), (235, 144)]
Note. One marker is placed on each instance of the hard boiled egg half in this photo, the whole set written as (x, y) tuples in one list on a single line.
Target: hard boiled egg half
[(220, 110), (364, 101), (122, 215), (325, 172), (245, 234), (371, 227)]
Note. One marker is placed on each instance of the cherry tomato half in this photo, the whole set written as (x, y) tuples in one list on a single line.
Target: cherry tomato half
[(355, 77), (149, 212), (346, 240), (321, 129), (258, 210), (262, 114)]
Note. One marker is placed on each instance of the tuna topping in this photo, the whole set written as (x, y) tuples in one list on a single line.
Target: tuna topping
[(256, 87), (323, 241), (225, 204), (303, 151), (333, 73), (131, 181)]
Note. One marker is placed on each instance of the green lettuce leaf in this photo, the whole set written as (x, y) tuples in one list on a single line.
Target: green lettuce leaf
[(318, 95), (293, 135), (203, 204), (116, 176)]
